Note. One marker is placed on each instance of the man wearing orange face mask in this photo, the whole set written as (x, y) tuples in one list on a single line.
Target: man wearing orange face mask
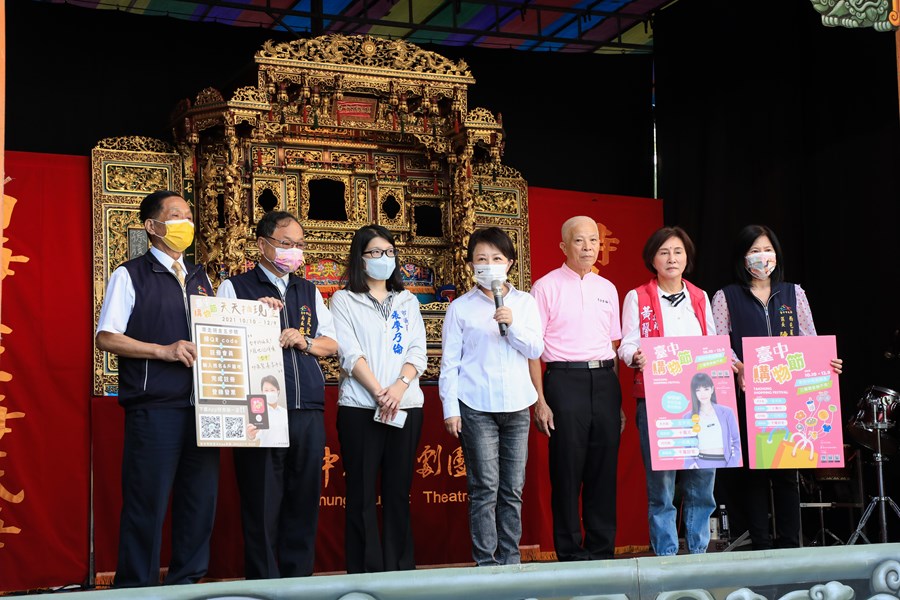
[(280, 487), (145, 321)]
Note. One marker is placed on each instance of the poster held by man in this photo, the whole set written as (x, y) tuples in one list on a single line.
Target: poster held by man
[(239, 373)]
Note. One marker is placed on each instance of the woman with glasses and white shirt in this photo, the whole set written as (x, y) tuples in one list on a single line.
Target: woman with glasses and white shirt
[(486, 392), (381, 339)]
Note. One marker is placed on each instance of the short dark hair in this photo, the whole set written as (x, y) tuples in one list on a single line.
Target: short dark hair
[(274, 219), (494, 236), (354, 277), (744, 241), (271, 380), (151, 205), (660, 237)]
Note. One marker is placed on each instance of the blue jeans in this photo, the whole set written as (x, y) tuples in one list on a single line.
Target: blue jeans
[(697, 495), (495, 447)]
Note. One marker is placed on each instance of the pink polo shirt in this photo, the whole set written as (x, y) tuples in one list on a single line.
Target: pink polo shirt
[(580, 317)]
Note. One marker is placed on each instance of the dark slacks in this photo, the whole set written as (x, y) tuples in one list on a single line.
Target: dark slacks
[(378, 456), (745, 493), (584, 451), (280, 489), (161, 458)]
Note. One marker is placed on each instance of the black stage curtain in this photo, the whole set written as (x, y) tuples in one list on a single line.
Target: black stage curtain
[(768, 116), (580, 122), (75, 76)]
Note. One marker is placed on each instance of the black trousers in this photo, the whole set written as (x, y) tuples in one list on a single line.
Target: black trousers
[(745, 493), (161, 458), (280, 489), (378, 457), (584, 452)]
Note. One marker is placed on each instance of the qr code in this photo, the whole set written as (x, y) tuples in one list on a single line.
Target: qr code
[(234, 428), (210, 427)]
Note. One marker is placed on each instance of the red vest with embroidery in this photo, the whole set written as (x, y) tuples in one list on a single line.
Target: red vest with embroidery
[(650, 326)]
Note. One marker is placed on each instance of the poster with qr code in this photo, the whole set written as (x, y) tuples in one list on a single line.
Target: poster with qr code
[(239, 374)]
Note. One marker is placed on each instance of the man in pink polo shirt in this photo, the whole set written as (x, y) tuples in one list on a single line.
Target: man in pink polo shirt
[(579, 401)]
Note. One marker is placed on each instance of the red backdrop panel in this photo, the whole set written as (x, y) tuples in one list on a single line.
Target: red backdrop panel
[(44, 472)]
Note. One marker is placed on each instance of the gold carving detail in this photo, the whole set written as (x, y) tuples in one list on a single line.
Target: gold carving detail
[(349, 158), (350, 206), (137, 179), (433, 371), (134, 143), (260, 185), (263, 157), (209, 249), (433, 326), (251, 95), (400, 218), (386, 165), (497, 201), (364, 52), (480, 116), (298, 156), (209, 96)]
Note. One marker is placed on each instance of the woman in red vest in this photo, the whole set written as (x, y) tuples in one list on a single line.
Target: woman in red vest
[(668, 305)]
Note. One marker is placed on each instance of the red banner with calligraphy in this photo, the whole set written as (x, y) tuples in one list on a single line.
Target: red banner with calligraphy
[(45, 384), (60, 460)]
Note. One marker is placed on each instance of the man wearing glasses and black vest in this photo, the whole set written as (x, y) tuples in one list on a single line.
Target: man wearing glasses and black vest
[(280, 487)]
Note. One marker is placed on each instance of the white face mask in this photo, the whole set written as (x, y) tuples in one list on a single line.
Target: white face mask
[(760, 264), (487, 274)]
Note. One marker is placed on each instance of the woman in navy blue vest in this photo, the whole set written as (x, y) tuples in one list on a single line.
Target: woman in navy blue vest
[(761, 304)]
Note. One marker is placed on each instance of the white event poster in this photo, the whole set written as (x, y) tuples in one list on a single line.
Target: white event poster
[(239, 373)]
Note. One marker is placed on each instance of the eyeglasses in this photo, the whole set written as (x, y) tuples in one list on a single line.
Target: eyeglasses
[(287, 243), (378, 252)]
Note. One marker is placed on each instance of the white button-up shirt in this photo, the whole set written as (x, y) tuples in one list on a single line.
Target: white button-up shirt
[(487, 371)]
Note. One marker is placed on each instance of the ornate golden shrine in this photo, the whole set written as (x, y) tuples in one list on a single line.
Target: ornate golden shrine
[(342, 131)]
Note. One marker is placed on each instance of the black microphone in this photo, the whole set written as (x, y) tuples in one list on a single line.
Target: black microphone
[(497, 288)]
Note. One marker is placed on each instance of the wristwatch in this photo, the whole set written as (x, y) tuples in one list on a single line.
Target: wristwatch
[(309, 343), (405, 380)]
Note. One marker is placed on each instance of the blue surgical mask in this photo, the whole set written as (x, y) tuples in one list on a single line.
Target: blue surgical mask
[(382, 268)]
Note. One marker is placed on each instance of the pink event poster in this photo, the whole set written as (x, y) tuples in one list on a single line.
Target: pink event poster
[(793, 402), (691, 404)]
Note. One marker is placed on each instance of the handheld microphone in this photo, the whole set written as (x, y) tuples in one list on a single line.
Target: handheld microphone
[(497, 289)]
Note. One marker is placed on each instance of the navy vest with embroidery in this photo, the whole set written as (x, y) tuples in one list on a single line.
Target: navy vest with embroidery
[(748, 316), (160, 316), (303, 379)]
